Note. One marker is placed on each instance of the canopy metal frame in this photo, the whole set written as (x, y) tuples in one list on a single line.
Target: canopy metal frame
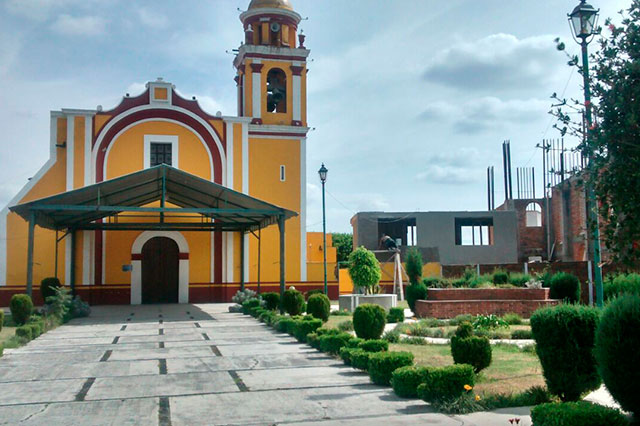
[(100, 207)]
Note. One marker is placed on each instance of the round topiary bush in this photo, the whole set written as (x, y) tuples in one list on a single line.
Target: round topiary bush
[(500, 277), (383, 364), (319, 306), (473, 350), (271, 300), (464, 330), (415, 292), (565, 341), (369, 321), (310, 293), (618, 351), (405, 380), (21, 307), (565, 287), (446, 383), (47, 286), (293, 302), (395, 315), (364, 270)]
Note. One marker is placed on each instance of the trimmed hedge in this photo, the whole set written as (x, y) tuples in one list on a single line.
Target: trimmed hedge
[(369, 321), (25, 332), (405, 380), (473, 350), (354, 342), (521, 334), (500, 277), (446, 383), (581, 413), (383, 364), (614, 286), (21, 307), (271, 300), (36, 329), (618, 351), (331, 343), (360, 359), (293, 302), (1, 319), (248, 304), (565, 340), (48, 286), (374, 345), (395, 315), (346, 353), (415, 292), (565, 287), (319, 306), (285, 324), (303, 327)]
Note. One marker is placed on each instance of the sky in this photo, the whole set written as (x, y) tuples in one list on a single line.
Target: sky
[(409, 101)]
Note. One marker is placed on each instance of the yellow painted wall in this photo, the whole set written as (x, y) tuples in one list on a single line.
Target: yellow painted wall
[(430, 269), (314, 248), (265, 158)]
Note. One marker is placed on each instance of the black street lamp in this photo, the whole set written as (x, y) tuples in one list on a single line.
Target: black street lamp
[(583, 22), (323, 178)]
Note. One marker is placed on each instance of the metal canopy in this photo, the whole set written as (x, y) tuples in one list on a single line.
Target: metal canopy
[(119, 204)]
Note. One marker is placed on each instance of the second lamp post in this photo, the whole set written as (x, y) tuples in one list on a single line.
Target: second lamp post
[(323, 178)]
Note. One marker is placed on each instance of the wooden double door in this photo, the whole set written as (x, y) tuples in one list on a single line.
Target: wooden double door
[(160, 271)]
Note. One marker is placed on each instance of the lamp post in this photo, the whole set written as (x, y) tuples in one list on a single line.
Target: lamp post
[(323, 178), (583, 21)]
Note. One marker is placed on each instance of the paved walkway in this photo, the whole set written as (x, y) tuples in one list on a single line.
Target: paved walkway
[(191, 365)]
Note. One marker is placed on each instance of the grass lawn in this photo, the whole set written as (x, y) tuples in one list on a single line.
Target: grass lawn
[(334, 320), (6, 333), (510, 371)]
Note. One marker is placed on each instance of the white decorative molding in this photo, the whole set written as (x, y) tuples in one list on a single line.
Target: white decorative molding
[(256, 92), (149, 139), (87, 239), (70, 152), (303, 209), (245, 159), (245, 256), (88, 131), (183, 265), (297, 98), (230, 154), (229, 256)]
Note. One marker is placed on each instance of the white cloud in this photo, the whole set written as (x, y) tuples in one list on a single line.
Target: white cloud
[(81, 25), (453, 167), (152, 19)]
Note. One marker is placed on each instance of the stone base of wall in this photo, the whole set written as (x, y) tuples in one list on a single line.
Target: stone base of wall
[(451, 308)]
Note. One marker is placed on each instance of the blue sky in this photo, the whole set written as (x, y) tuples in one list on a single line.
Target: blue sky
[(410, 99)]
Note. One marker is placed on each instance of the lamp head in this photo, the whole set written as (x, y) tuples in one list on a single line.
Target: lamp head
[(323, 173)]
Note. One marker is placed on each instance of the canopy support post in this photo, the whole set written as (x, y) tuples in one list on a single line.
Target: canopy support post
[(72, 273), (259, 251), (242, 261), (32, 226), (282, 259)]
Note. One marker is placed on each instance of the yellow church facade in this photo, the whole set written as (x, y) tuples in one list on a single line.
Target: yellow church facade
[(260, 152)]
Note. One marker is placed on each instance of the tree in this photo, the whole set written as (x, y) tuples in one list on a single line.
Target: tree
[(612, 142), (414, 265), (364, 270), (344, 246)]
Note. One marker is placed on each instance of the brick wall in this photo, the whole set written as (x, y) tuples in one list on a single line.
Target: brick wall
[(487, 294), (450, 309)]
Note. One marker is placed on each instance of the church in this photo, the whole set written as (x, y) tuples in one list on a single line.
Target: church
[(158, 201)]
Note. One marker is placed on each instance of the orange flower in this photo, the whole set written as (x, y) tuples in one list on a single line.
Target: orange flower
[(478, 398), (467, 388)]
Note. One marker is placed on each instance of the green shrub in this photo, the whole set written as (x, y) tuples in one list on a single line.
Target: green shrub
[(545, 277), (489, 322), (1, 349), (346, 354), (360, 359), (620, 284), (500, 277), (339, 313), (461, 318), (325, 331), (242, 296), (446, 383), (293, 302), (618, 351), (374, 345), (521, 334), (319, 306), (565, 287), (383, 364), (310, 293), (25, 331), (331, 343), (36, 328), (21, 307), (255, 311), (369, 321), (395, 315), (581, 413), (271, 300), (303, 327), (266, 317), (565, 339), (364, 270), (47, 286), (475, 351), (435, 282), (345, 325), (248, 304), (405, 380), (354, 342), (519, 279), (1, 319), (464, 330), (512, 318), (413, 265), (312, 340), (415, 292), (283, 325), (392, 336), (413, 341), (535, 395)]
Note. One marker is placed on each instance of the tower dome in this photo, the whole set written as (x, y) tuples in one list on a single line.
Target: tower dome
[(270, 4)]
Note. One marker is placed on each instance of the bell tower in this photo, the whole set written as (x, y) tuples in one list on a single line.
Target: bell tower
[(271, 65)]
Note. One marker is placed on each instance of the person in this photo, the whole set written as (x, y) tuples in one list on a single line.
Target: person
[(388, 243)]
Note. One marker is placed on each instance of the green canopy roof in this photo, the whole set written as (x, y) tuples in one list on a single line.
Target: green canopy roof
[(118, 204)]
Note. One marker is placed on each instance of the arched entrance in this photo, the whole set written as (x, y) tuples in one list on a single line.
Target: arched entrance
[(160, 277)]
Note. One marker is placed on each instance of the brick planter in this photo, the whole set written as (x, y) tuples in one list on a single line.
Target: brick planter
[(448, 303)]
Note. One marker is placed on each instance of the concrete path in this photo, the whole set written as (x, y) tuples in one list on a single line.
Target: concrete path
[(192, 365)]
